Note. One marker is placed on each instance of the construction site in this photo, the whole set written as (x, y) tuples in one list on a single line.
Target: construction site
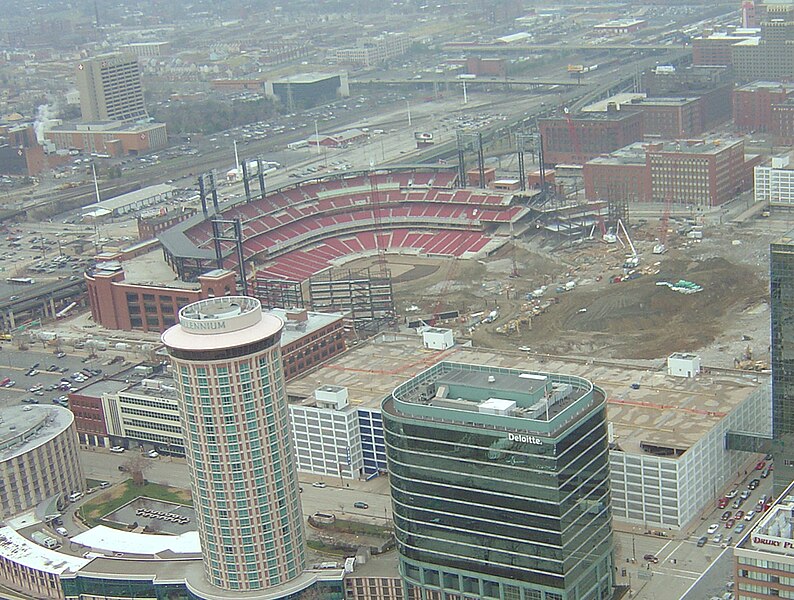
[(610, 297)]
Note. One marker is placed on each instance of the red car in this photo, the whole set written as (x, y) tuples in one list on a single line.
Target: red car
[(723, 502), (739, 514), (730, 523), (760, 466)]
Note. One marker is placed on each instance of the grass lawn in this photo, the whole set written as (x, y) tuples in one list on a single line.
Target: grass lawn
[(359, 528), (108, 501)]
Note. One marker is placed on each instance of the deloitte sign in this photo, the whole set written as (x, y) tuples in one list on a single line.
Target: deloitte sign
[(524, 439)]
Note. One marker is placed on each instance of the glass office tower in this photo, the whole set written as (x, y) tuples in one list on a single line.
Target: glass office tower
[(226, 357), (781, 291), (500, 484)]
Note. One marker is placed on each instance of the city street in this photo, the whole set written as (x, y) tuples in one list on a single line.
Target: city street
[(684, 570), (338, 496)]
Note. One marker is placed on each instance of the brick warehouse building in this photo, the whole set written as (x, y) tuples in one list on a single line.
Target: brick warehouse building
[(577, 139), (702, 173), (753, 105), (116, 304)]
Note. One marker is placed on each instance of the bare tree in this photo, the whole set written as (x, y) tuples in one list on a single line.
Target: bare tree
[(136, 465)]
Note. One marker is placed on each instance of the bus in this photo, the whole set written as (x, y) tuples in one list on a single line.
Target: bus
[(21, 280)]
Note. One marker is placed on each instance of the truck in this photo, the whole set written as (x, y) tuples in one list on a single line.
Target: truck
[(42, 539)]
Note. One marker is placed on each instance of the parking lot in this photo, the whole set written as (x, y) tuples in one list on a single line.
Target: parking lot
[(41, 376)]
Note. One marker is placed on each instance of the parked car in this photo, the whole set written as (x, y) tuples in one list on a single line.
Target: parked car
[(722, 503), (739, 515), (651, 558), (738, 502), (730, 523), (152, 454), (717, 538), (104, 485), (732, 494), (760, 466), (739, 528), (726, 515), (75, 496), (319, 484), (117, 449), (713, 528), (754, 483), (702, 541), (360, 505), (745, 494), (749, 516)]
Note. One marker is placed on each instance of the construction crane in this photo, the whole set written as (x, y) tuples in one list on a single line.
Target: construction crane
[(661, 247), (633, 260), (572, 133)]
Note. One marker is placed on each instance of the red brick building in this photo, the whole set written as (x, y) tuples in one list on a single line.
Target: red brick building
[(782, 122), (149, 227), (716, 49), (20, 152), (89, 415), (702, 173), (577, 139), (116, 304), (752, 105), (670, 118), (622, 174), (486, 67)]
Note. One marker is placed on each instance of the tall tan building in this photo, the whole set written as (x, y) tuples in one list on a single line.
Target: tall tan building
[(770, 56), (110, 88), (226, 357)]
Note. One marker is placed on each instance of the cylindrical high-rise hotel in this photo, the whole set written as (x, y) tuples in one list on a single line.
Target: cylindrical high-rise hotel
[(227, 366)]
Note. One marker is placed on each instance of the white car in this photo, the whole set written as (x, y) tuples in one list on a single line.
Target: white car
[(75, 496), (152, 454), (749, 516), (117, 449), (713, 528), (319, 484)]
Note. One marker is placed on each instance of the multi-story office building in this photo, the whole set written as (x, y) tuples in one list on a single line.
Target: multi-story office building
[(715, 49), (226, 357), (500, 484), (781, 292), (752, 105), (370, 51), (774, 183), (577, 139), (764, 558), (771, 55), (110, 88), (703, 173)]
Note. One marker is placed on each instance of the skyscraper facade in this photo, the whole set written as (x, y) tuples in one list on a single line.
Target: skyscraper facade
[(500, 484), (226, 358), (110, 88), (781, 291)]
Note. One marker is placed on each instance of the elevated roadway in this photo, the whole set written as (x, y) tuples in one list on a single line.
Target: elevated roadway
[(39, 300), (557, 47)]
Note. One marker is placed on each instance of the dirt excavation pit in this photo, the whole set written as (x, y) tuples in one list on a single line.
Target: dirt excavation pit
[(632, 319)]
